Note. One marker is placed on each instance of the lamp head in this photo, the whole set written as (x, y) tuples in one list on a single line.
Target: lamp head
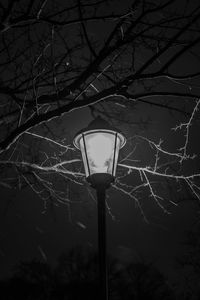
[(99, 143)]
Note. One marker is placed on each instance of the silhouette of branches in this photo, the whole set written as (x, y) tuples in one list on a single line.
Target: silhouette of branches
[(112, 58), (76, 277)]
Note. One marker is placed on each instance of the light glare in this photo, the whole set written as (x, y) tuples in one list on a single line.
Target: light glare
[(99, 151)]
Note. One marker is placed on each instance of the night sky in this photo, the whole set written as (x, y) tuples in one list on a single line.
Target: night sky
[(32, 229), (29, 230)]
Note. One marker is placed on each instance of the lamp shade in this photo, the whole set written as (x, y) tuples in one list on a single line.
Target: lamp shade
[(99, 144)]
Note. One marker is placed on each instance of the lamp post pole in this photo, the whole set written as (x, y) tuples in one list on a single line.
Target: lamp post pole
[(103, 273)]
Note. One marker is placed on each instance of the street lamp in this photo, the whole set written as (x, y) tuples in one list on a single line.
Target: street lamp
[(99, 144)]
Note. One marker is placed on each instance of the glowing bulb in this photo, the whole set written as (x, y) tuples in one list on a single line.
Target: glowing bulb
[(99, 151)]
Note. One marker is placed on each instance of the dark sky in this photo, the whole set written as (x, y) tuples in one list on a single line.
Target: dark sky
[(28, 230)]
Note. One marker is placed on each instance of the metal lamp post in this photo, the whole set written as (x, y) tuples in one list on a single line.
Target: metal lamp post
[(100, 144)]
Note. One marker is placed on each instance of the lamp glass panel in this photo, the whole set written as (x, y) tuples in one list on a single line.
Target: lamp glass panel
[(100, 147)]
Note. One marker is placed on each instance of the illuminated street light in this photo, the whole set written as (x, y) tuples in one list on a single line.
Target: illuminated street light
[(99, 144)]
